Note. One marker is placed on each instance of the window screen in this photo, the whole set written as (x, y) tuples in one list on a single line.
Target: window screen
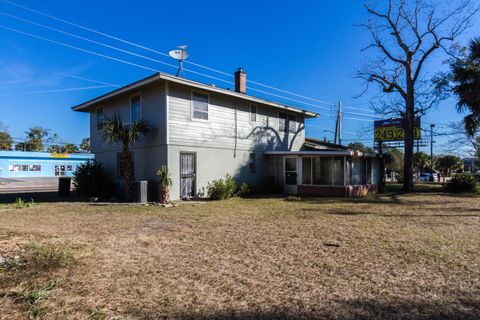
[(282, 122), (135, 108), (292, 125), (200, 106), (253, 113), (307, 170), (100, 118)]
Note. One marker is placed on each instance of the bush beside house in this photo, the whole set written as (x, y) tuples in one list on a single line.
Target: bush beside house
[(91, 180), (461, 183)]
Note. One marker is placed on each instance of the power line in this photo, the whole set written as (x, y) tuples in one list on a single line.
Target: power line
[(145, 67), (150, 49), (148, 58), (53, 91)]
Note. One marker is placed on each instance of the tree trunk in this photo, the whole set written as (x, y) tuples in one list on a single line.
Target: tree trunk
[(409, 120), (126, 162), (165, 196)]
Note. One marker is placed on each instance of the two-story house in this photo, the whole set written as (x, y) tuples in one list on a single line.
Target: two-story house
[(202, 132)]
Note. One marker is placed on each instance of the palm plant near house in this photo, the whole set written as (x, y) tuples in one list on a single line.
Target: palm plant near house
[(115, 130), (165, 183)]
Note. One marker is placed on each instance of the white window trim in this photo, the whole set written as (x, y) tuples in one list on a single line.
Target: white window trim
[(256, 113), (191, 106), (141, 106)]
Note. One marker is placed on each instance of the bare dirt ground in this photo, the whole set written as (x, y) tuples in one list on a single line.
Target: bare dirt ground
[(385, 257)]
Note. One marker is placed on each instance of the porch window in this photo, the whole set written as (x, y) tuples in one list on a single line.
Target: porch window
[(368, 169), (357, 172), (338, 171), (322, 171), (306, 170), (375, 171)]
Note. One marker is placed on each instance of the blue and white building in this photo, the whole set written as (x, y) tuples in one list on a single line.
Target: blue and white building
[(21, 164)]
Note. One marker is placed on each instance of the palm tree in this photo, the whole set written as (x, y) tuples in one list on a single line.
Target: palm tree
[(165, 183), (448, 164), (115, 130), (466, 79)]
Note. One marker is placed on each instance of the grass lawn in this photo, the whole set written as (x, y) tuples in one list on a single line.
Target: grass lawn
[(392, 256)]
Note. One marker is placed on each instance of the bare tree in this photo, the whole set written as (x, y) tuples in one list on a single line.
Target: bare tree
[(405, 34)]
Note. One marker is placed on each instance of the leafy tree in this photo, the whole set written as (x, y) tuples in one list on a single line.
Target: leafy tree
[(448, 164), (85, 144), (360, 147), (70, 148), (393, 159), (405, 35), (35, 138), (115, 130), (66, 148), (466, 80), (421, 160), (6, 141), (21, 146)]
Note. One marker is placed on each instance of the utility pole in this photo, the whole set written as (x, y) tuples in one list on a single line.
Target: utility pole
[(431, 147), (338, 125)]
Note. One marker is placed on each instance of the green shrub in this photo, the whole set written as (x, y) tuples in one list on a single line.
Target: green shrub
[(221, 188), (462, 183), (245, 190), (20, 203), (91, 180)]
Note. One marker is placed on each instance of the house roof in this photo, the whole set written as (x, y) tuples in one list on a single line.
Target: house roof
[(348, 153), (162, 76), (313, 144)]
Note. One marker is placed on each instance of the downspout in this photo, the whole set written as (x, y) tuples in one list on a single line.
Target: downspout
[(236, 132)]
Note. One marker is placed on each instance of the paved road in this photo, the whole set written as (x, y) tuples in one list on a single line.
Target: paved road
[(22, 185)]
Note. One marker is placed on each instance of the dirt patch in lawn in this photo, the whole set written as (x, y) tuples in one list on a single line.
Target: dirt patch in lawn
[(393, 256)]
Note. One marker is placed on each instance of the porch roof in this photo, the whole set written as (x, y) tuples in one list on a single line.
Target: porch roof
[(348, 153)]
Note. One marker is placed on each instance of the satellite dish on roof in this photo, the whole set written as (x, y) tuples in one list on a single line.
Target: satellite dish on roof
[(179, 54)]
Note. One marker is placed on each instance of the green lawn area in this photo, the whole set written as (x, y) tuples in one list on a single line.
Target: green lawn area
[(392, 256)]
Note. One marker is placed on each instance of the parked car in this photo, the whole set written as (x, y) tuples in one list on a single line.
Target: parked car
[(428, 177)]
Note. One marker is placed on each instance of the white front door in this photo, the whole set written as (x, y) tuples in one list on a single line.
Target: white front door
[(291, 175)]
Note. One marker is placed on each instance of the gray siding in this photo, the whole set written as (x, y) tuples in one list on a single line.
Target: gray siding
[(229, 125), (215, 163), (153, 111)]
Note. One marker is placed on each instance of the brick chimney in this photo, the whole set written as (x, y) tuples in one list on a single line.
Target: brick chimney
[(241, 81)]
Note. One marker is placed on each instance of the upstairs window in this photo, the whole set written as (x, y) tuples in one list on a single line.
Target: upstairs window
[(253, 113), (199, 106), (282, 122), (291, 123), (100, 118), (135, 108)]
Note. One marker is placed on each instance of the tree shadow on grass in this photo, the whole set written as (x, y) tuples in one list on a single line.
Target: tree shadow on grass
[(343, 212), (360, 309)]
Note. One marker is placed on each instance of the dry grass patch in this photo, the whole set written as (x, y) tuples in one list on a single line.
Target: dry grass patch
[(393, 256)]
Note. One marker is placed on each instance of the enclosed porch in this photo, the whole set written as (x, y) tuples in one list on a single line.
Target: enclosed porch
[(325, 173)]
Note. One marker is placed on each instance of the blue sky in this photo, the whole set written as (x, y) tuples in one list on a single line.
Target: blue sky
[(310, 48)]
